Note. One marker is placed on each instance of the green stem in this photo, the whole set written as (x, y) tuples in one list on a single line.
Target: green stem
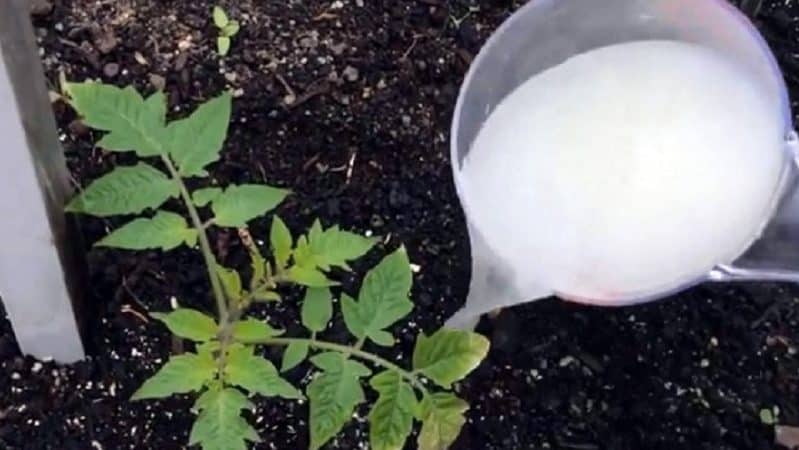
[(350, 351), (205, 245)]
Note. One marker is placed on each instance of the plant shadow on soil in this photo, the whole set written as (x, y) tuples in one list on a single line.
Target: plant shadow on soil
[(348, 103)]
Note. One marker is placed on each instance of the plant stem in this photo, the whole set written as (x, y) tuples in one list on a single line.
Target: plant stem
[(205, 245), (351, 351)]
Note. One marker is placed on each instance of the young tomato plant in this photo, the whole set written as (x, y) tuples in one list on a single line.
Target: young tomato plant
[(227, 29), (225, 370)]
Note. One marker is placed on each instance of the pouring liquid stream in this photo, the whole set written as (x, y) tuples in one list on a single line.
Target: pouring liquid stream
[(620, 174)]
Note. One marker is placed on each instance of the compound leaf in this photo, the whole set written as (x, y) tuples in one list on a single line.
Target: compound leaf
[(383, 298), (333, 395), (256, 374), (131, 123), (391, 417), (126, 190), (241, 203), (250, 330), (189, 324), (196, 141), (442, 419), (220, 425), (449, 355), (166, 230), (181, 374)]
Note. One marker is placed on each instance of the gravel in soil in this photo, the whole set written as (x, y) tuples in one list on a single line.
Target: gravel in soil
[(348, 103)]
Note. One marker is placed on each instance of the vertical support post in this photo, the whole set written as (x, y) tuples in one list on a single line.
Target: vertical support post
[(40, 270)]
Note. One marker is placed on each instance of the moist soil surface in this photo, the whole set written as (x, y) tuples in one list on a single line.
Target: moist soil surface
[(348, 103)]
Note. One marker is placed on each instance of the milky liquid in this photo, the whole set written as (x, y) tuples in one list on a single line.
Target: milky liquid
[(626, 171)]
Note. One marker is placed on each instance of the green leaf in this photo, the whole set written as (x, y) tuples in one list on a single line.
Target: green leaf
[(256, 374), (220, 425), (449, 355), (189, 324), (391, 418), (241, 203), (317, 308), (281, 240), (265, 295), (220, 17), (249, 330), (166, 230), (156, 104), (767, 417), (330, 248), (231, 29), (333, 395), (204, 196), (197, 140), (132, 123), (231, 282), (382, 338), (383, 298), (126, 190), (222, 45), (295, 353), (181, 374), (309, 277), (442, 420)]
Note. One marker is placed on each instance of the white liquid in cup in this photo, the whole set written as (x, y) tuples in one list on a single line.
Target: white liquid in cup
[(626, 171)]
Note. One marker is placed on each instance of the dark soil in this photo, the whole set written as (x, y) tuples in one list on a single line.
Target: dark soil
[(349, 104)]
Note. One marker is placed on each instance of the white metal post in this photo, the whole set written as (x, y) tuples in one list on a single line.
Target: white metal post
[(39, 273)]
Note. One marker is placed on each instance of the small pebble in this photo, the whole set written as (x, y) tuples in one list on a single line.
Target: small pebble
[(111, 70), (158, 82), (350, 74)]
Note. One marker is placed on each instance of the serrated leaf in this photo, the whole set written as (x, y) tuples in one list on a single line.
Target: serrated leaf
[(220, 425), (334, 247), (126, 190), (241, 203), (442, 420), (391, 417), (223, 45), (166, 230), (256, 374), (131, 123), (204, 196), (317, 308), (231, 282), (333, 395), (250, 330), (295, 353), (220, 17), (231, 29), (309, 277), (330, 248), (189, 324), (181, 374), (196, 141), (383, 298), (281, 240), (449, 355)]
